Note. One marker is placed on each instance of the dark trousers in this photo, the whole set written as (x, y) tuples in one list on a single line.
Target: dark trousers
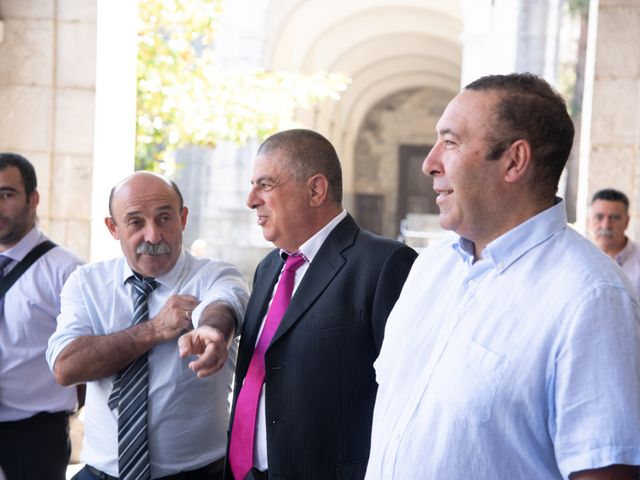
[(212, 471), (36, 448)]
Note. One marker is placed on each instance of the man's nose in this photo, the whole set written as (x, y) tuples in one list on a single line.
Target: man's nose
[(253, 199), (152, 233), (430, 166)]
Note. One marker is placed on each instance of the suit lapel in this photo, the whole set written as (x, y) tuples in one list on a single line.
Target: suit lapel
[(257, 309), (326, 265)]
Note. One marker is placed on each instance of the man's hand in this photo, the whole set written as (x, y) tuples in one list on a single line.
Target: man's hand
[(211, 347), (175, 316)]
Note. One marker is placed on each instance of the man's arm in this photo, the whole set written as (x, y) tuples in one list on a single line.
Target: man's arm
[(211, 340), (93, 357), (390, 282), (612, 472)]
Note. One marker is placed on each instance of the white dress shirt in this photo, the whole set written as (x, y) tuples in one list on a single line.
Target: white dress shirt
[(187, 416), (524, 364), (629, 260), (31, 306), (309, 249)]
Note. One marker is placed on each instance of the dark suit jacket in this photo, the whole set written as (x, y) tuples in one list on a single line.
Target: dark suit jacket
[(320, 382)]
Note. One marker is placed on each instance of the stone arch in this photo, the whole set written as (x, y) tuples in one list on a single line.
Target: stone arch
[(388, 48), (403, 119)]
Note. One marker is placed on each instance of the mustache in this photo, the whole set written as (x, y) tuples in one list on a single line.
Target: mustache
[(148, 248), (604, 232)]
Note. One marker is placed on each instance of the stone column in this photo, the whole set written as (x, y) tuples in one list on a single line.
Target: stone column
[(609, 154), (47, 83)]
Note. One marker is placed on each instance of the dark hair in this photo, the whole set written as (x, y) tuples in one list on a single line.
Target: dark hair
[(171, 182), (27, 171), (530, 109), (307, 153), (611, 195)]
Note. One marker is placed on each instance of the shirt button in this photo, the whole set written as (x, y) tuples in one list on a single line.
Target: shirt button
[(500, 265)]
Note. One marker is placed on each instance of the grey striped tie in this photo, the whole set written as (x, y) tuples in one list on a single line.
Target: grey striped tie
[(129, 394)]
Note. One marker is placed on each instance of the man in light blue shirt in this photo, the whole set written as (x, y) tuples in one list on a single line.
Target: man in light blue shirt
[(514, 348), (34, 409)]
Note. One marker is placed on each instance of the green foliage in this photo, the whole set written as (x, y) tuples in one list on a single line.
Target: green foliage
[(578, 7), (185, 98)]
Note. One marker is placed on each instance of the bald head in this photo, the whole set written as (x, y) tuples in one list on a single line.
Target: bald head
[(145, 176), (148, 217)]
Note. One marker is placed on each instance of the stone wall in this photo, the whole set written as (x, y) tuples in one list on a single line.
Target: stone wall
[(405, 118), (47, 86), (615, 120)]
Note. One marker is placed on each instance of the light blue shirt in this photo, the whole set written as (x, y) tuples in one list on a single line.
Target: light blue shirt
[(524, 364), (629, 260), (187, 416), (31, 306)]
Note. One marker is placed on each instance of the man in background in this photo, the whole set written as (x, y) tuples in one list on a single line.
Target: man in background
[(608, 221), (34, 409), (147, 415)]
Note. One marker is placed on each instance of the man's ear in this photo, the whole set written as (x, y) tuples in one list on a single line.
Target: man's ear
[(34, 199), (113, 228), (318, 189), (518, 161), (183, 217)]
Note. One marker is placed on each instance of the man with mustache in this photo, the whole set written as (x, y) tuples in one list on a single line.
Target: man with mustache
[(608, 220), (118, 330), (34, 409)]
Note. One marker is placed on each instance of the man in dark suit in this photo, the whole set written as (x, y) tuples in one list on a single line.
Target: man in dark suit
[(315, 398)]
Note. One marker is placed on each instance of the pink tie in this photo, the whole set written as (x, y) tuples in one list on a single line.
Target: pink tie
[(244, 419)]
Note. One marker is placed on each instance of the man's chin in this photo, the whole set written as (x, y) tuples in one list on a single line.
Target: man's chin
[(155, 265)]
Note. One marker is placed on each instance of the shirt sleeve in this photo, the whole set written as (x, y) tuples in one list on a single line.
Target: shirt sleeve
[(73, 320), (596, 384), (225, 284)]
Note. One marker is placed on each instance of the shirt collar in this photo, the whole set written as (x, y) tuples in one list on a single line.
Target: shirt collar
[(169, 279), (24, 246), (506, 249), (310, 248)]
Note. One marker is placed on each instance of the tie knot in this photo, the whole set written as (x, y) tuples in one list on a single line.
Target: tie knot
[(144, 286), (4, 261), (293, 262)]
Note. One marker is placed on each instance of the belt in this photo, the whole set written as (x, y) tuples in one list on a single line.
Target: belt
[(213, 467), (36, 419)]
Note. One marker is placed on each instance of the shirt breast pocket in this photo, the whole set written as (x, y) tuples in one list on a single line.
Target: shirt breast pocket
[(474, 374)]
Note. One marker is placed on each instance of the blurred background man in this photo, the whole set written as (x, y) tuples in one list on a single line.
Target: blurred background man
[(608, 221), (34, 409)]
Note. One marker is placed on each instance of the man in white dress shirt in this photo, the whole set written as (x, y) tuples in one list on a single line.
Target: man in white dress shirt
[(608, 221), (34, 409), (187, 418)]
